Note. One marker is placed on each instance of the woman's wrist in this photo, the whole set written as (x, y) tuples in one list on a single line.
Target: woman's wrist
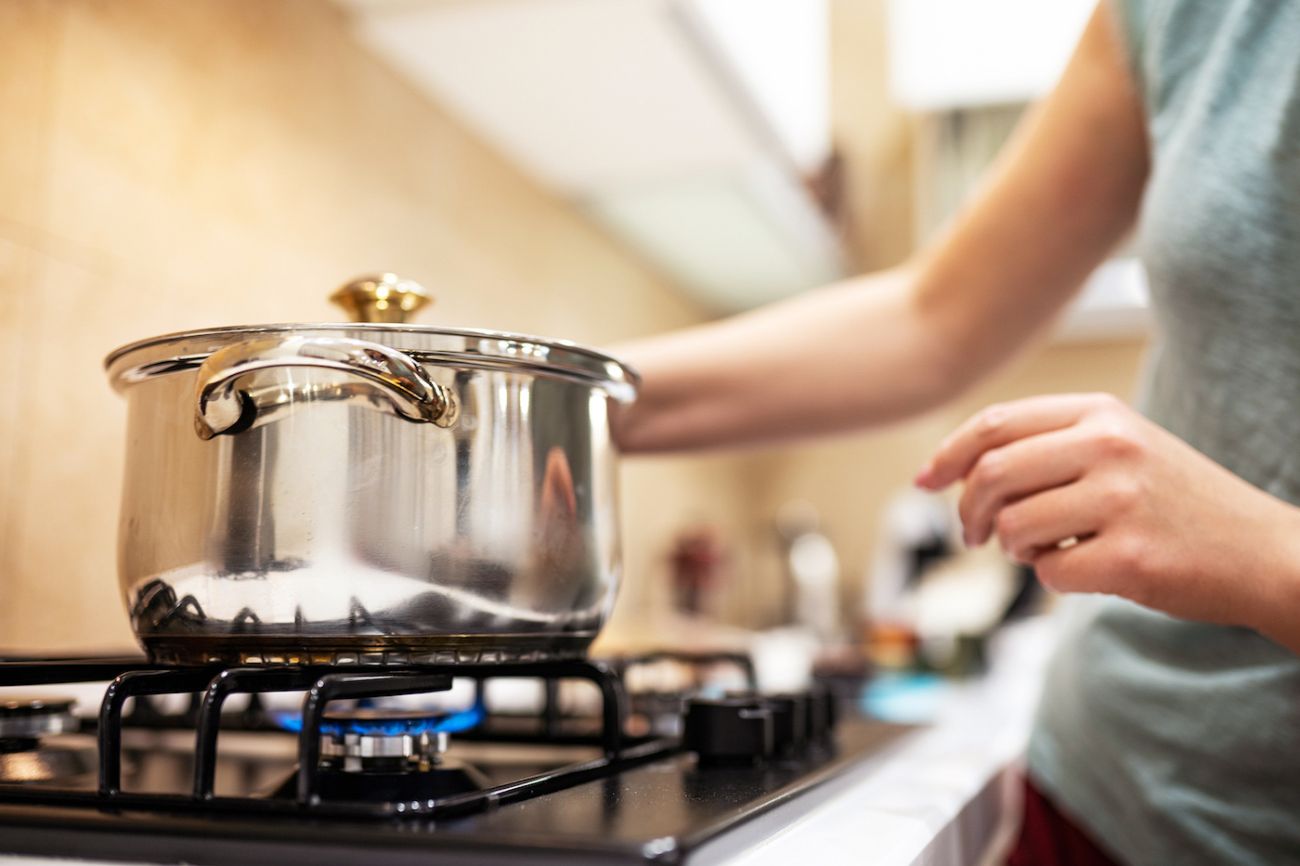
[(1277, 608)]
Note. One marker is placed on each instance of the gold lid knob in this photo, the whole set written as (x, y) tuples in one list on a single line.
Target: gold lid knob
[(381, 298)]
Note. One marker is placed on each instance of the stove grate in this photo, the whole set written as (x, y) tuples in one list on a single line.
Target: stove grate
[(213, 685)]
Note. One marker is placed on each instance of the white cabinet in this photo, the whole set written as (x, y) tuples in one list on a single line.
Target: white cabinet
[(959, 53)]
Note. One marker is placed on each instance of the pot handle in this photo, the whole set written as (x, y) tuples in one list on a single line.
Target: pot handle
[(397, 380)]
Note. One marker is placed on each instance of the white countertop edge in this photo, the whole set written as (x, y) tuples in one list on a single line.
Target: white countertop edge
[(946, 796)]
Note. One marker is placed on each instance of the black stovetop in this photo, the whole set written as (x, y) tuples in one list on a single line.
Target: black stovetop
[(603, 797)]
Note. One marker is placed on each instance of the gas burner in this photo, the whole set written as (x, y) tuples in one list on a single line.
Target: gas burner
[(386, 740), (392, 755), (24, 720)]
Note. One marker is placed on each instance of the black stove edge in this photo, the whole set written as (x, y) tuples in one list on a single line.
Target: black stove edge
[(100, 835), (50, 836)]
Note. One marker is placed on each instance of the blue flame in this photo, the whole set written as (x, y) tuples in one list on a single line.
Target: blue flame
[(287, 720), (449, 723)]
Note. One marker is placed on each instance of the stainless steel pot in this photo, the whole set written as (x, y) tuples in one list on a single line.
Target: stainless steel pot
[(367, 493)]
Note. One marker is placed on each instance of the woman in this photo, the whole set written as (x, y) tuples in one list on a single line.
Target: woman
[(1169, 732)]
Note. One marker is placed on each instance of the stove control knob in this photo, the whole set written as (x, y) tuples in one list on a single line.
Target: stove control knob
[(831, 702), (789, 721), (732, 730), (822, 713)]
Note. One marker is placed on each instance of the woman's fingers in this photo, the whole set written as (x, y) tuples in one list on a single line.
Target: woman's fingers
[(1038, 524), (1001, 425), (1025, 467)]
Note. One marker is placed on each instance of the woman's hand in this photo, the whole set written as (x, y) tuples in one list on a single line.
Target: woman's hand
[(1099, 499)]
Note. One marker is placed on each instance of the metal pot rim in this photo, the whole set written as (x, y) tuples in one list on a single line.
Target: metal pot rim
[(468, 347)]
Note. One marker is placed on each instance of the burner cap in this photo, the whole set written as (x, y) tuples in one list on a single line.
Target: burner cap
[(381, 740), (30, 717)]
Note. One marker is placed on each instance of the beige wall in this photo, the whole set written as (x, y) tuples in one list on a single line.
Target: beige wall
[(166, 165)]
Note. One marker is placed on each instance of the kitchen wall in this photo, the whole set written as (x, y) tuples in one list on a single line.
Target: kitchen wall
[(169, 165)]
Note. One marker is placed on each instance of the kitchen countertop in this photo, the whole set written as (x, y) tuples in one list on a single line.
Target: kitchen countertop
[(944, 796)]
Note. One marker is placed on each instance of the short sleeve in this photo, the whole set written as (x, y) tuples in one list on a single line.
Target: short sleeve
[(1132, 18)]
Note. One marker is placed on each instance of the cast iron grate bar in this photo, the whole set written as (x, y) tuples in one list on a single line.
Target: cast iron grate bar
[(130, 685)]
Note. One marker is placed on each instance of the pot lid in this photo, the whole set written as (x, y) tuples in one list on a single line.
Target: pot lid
[(379, 306)]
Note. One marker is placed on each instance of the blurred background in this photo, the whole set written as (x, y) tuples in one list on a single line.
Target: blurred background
[(592, 170)]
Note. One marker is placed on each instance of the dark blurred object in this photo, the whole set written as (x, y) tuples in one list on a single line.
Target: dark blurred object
[(698, 559), (1029, 595), (842, 662), (916, 534)]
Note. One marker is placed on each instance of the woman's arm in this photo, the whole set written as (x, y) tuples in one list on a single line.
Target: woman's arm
[(885, 346)]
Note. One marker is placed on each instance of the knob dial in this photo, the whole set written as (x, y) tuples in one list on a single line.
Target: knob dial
[(822, 713), (729, 730), (789, 721)]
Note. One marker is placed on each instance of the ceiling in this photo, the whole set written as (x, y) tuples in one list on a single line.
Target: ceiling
[(666, 121)]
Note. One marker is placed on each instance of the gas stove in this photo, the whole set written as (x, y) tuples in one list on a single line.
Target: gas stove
[(220, 765)]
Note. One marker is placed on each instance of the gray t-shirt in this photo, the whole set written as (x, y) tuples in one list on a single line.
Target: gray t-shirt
[(1177, 742)]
